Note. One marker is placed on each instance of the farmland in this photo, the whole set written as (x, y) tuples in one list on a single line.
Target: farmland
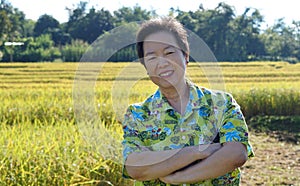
[(41, 143)]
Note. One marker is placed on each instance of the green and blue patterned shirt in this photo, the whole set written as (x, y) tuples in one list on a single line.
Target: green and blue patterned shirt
[(209, 114)]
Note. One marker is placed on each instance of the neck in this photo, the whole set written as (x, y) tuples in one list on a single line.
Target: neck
[(177, 96), (175, 93)]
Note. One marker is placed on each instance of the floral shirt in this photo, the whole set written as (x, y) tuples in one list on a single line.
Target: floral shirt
[(210, 115)]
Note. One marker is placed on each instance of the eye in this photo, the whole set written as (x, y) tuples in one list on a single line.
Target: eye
[(150, 58), (169, 52)]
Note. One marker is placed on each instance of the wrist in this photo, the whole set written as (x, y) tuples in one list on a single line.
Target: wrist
[(203, 151), (198, 152)]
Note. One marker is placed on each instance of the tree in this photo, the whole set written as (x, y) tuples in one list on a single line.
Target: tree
[(11, 22), (28, 28), (219, 24), (95, 23), (59, 37), (296, 31), (76, 14), (120, 42), (188, 19), (244, 38), (213, 26), (35, 49), (11, 27), (5, 24), (44, 24), (127, 15), (230, 37), (74, 51), (88, 26), (280, 41)]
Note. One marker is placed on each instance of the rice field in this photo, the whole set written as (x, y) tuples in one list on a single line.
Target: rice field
[(43, 144)]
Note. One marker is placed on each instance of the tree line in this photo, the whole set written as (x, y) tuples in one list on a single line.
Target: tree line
[(231, 37)]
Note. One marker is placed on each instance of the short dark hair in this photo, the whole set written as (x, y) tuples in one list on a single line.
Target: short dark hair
[(168, 24)]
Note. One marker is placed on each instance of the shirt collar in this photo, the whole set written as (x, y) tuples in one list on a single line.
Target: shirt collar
[(197, 98)]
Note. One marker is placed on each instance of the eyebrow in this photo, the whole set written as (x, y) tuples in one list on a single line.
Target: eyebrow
[(167, 47), (149, 53)]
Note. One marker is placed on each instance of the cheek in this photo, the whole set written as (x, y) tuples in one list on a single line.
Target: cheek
[(179, 62), (150, 69)]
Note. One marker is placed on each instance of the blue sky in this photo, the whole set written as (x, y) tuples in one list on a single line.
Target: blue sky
[(271, 10)]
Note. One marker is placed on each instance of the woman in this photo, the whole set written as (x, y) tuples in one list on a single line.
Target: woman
[(169, 138)]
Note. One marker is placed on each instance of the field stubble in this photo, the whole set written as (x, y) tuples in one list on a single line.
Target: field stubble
[(41, 146)]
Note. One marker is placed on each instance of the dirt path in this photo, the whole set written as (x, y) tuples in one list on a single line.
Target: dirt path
[(275, 162)]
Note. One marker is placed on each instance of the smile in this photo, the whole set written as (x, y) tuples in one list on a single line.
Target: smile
[(166, 74)]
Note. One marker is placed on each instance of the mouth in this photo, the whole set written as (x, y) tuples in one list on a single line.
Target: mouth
[(166, 73)]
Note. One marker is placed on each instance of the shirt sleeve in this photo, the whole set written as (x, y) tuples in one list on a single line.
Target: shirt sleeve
[(131, 142), (234, 127)]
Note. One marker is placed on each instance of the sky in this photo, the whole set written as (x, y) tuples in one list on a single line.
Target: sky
[(271, 10)]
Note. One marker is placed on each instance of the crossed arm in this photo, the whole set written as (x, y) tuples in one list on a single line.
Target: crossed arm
[(216, 161)]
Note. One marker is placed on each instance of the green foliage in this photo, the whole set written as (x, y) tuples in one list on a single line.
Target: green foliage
[(11, 22), (54, 105), (53, 155), (28, 28), (281, 41), (231, 37), (88, 27), (74, 51), (275, 123), (42, 144), (282, 102), (127, 15), (59, 36), (30, 107), (118, 44), (285, 128), (44, 24), (34, 50)]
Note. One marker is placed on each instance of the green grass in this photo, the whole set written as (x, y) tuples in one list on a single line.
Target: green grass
[(42, 143), (41, 93), (53, 155), (284, 128)]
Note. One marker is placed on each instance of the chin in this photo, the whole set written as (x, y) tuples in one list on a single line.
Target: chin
[(163, 83)]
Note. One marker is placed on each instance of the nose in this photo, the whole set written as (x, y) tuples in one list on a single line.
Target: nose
[(162, 62)]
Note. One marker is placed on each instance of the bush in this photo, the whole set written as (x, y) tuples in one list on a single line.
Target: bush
[(1, 55), (74, 51), (285, 128), (34, 50), (282, 102)]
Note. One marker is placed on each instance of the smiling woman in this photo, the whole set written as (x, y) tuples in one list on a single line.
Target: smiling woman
[(164, 61), (183, 133)]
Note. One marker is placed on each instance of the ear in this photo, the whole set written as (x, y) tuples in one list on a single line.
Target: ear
[(186, 56)]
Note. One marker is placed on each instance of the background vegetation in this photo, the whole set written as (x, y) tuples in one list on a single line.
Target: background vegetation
[(40, 139), (231, 37), (41, 143)]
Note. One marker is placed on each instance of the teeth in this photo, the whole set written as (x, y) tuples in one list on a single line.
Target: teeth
[(165, 74)]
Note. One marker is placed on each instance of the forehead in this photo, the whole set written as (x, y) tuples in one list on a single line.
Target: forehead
[(162, 39)]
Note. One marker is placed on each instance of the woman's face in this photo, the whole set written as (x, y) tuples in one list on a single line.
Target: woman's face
[(164, 61)]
